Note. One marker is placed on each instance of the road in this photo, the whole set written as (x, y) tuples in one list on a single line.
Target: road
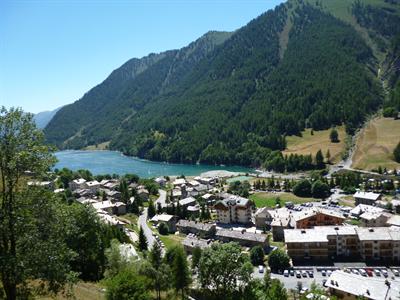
[(162, 199), (142, 222)]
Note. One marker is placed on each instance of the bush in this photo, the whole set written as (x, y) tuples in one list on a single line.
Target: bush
[(302, 188), (163, 229), (389, 112), (257, 255), (396, 153), (334, 136), (278, 260)]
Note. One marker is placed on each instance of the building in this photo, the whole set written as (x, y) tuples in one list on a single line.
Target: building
[(374, 219), (394, 220), (191, 242), (189, 201), (204, 230), (282, 219), (114, 208), (143, 194), (169, 220), (234, 209), (344, 243), (76, 184), (350, 286), (179, 182), (161, 181), (93, 186), (44, 184), (243, 238), (362, 208), (368, 198), (113, 194), (263, 218), (193, 211), (317, 217)]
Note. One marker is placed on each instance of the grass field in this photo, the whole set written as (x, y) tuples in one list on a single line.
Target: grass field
[(375, 144), (171, 240), (308, 143), (266, 199)]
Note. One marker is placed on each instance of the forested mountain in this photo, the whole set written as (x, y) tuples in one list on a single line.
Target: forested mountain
[(232, 97)]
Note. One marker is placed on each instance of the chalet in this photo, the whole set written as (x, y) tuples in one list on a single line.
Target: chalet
[(169, 220), (190, 201), (161, 181), (191, 242), (44, 184), (317, 217), (374, 219), (114, 208), (143, 194), (93, 186), (263, 218)]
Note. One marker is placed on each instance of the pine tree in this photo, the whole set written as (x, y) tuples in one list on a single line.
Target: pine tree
[(180, 272), (328, 156), (142, 240), (151, 210), (319, 160), (334, 136)]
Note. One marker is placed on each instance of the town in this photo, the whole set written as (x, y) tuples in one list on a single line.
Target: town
[(332, 240)]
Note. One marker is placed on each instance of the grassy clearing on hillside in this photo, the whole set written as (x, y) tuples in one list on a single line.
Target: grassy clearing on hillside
[(171, 240), (101, 146), (308, 143), (266, 199), (375, 144), (82, 291)]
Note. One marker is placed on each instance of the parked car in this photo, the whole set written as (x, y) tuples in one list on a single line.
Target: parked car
[(384, 273), (304, 273), (396, 272), (369, 272), (363, 272), (323, 272), (292, 272), (304, 290), (329, 273), (324, 282), (260, 269), (310, 273), (298, 274), (377, 272), (286, 273), (355, 271)]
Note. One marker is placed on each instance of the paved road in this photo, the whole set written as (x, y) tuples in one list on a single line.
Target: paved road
[(142, 222), (162, 199)]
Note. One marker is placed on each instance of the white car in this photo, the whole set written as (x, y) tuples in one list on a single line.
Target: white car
[(323, 272), (286, 273), (355, 271), (396, 272), (377, 272), (304, 273), (384, 273), (363, 272), (329, 273), (260, 269)]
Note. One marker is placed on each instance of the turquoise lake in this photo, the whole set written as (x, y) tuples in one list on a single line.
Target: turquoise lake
[(111, 162)]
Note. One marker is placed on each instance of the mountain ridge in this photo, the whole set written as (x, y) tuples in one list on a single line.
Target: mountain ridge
[(232, 97)]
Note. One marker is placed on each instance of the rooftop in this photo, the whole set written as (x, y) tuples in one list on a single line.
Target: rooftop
[(195, 224), (367, 195), (242, 235)]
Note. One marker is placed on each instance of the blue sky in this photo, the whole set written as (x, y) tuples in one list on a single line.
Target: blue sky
[(52, 52)]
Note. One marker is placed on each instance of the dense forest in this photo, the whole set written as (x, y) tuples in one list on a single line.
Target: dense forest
[(233, 97)]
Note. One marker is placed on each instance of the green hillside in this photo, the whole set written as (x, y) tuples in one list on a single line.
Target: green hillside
[(233, 97)]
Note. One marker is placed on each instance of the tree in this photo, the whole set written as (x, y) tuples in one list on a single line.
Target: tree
[(115, 261), (142, 240), (328, 156), (196, 255), (334, 136), (158, 271), (180, 271), (159, 208), (302, 188), (151, 212), (30, 220), (163, 228), (224, 269), (319, 160), (128, 285), (396, 153), (278, 260), (320, 189), (257, 255), (273, 288)]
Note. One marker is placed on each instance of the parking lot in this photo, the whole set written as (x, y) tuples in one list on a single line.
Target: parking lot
[(308, 275)]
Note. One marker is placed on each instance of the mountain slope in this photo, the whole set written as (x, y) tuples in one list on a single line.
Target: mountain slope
[(232, 97), (43, 118)]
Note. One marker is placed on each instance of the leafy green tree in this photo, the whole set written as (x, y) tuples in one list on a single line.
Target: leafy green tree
[(31, 224), (302, 188), (396, 153), (320, 189), (257, 255), (278, 260), (142, 240), (273, 288), (128, 285), (196, 255), (115, 261), (180, 272), (224, 270), (334, 135)]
